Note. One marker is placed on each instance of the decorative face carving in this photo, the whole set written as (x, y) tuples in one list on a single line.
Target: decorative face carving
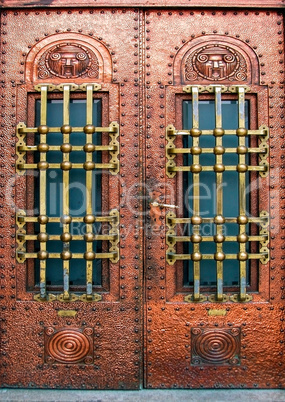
[(215, 62), (67, 61)]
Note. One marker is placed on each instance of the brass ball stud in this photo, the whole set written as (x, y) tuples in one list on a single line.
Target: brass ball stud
[(196, 150), (89, 237), (196, 256), (219, 132), (196, 168), (242, 168), (89, 218), (219, 150), (42, 237), (42, 255), (42, 165), (89, 129), (89, 255), (219, 238), (43, 219), (242, 220), (66, 237), (66, 165), (66, 129), (89, 165), (241, 132), (219, 168), (195, 132), (219, 256), (242, 238), (66, 148), (66, 219), (43, 147), (219, 219), (43, 129), (242, 256), (89, 147), (242, 149), (196, 220), (196, 238), (66, 255)]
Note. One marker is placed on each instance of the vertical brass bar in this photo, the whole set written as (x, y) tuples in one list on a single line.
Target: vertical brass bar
[(218, 106), (43, 189), (196, 194), (219, 190), (65, 187), (89, 157), (242, 191)]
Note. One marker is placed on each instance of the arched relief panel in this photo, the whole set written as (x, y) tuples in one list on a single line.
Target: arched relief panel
[(68, 56), (213, 59)]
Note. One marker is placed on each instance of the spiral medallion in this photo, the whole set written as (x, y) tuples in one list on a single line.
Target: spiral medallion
[(69, 346), (215, 346)]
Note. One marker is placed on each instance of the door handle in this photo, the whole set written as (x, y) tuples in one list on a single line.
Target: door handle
[(157, 204)]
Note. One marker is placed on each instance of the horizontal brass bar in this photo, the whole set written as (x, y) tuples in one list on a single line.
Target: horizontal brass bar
[(211, 238), (24, 130), (211, 150), (212, 169), (261, 132), (24, 237), (74, 219), (26, 166), (72, 298), (74, 255), (174, 256), (34, 148)]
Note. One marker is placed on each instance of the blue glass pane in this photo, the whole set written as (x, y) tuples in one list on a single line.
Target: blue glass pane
[(207, 188), (77, 191)]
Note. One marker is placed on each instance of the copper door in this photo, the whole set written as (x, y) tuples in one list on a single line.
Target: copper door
[(109, 117)]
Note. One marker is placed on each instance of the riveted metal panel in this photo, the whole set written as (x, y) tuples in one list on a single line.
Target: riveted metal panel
[(76, 343), (145, 59), (187, 345)]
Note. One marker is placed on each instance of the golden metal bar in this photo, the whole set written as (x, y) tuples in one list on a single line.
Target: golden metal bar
[(211, 168), (89, 158), (262, 132), (66, 130), (43, 187), (109, 255), (242, 192), (219, 191), (203, 238), (196, 192)]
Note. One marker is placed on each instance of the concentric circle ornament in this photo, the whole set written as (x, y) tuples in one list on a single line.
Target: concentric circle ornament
[(69, 346), (215, 346)]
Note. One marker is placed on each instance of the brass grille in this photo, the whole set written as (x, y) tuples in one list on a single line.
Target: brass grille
[(65, 220), (242, 150)]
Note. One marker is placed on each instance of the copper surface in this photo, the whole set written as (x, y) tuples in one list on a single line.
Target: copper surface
[(141, 56)]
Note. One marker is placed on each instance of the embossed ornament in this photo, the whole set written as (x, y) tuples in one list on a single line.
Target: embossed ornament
[(68, 60), (215, 62)]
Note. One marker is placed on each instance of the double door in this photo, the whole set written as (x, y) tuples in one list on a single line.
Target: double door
[(142, 198)]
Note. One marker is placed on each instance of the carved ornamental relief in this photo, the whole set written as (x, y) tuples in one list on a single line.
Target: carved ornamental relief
[(68, 345), (215, 346), (215, 62), (68, 60)]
